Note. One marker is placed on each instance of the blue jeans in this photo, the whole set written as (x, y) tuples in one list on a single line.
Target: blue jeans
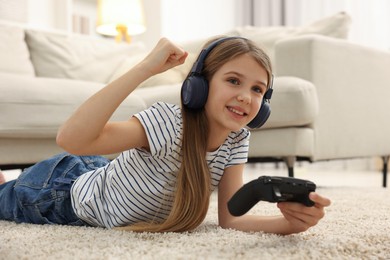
[(41, 194)]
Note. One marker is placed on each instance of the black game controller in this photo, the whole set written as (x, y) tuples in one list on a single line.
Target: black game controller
[(271, 189)]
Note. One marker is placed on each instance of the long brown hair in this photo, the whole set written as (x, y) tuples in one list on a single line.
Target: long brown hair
[(193, 185)]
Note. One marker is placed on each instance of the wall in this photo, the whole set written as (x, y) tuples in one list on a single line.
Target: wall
[(14, 10), (49, 14), (183, 20), (176, 19), (187, 20)]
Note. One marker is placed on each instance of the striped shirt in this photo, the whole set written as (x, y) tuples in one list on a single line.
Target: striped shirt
[(138, 185)]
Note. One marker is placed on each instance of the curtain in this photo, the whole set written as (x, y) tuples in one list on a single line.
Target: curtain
[(269, 12), (261, 12)]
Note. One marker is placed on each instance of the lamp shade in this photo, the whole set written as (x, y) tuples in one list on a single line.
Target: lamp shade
[(113, 14)]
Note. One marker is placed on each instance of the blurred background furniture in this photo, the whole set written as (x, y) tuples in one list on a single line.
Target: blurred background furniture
[(330, 95)]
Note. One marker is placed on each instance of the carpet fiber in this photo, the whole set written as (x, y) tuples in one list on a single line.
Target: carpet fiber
[(356, 226)]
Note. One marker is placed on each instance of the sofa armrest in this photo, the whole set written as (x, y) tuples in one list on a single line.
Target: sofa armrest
[(353, 88)]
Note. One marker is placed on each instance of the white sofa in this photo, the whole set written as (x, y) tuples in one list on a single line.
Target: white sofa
[(331, 97)]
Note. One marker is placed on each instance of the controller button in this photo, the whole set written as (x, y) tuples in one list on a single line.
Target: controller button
[(267, 179)]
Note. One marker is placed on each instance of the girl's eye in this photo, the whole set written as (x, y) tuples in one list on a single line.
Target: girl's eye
[(258, 89), (234, 81)]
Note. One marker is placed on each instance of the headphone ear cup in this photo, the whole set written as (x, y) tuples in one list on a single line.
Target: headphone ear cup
[(194, 92), (262, 116)]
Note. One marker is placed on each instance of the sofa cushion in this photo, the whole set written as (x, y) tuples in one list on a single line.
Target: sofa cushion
[(167, 93), (36, 107), (280, 142), (60, 55), (14, 54), (294, 103)]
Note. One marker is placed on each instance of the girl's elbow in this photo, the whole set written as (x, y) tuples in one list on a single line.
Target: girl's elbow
[(60, 140), (225, 224), (66, 145)]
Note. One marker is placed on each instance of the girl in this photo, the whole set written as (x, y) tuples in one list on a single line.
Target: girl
[(171, 157)]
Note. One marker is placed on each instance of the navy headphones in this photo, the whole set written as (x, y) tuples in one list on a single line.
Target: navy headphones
[(195, 88)]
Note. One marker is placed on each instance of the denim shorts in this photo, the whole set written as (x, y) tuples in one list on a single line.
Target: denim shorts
[(41, 194)]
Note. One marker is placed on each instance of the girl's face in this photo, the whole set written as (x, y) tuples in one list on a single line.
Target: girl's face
[(235, 94)]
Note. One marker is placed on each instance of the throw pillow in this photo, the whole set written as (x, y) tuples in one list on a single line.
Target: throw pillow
[(336, 26), (59, 55), (14, 54)]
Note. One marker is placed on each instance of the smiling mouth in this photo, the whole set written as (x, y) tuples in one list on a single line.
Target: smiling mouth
[(235, 111)]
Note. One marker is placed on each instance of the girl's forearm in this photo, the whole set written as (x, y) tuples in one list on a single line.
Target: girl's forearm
[(86, 124), (267, 224)]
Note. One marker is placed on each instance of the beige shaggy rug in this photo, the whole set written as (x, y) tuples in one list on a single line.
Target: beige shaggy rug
[(357, 226)]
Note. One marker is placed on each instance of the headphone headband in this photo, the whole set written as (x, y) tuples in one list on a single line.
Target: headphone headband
[(198, 65)]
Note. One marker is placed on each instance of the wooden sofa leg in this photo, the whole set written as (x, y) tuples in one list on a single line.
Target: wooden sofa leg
[(385, 163), (290, 161)]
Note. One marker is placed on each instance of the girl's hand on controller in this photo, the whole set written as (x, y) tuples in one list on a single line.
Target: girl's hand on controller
[(301, 218)]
